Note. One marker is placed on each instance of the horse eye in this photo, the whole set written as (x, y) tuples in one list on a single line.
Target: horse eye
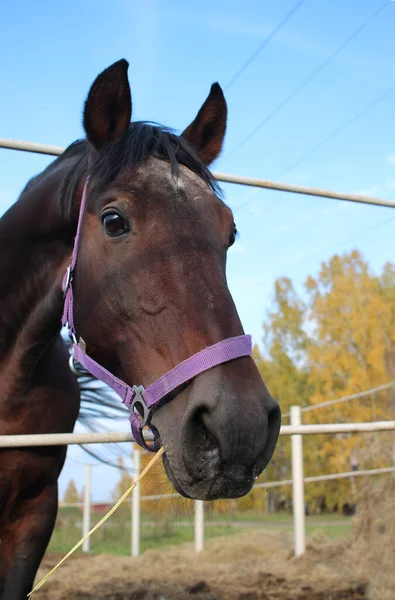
[(232, 237), (114, 224)]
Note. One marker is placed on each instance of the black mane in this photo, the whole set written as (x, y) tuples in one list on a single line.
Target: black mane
[(132, 148)]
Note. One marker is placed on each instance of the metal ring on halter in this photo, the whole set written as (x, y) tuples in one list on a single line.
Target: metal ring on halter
[(138, 401), (73, 367), (72, 362)]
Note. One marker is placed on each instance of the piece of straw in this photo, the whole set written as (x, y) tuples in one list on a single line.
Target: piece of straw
[(100, 523)]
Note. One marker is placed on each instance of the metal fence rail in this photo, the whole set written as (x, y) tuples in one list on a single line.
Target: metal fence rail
[(330, 477), (34, 147), (199, 520), (223, 177), (63, 439), (357, 396), (296, 430), (199, 526)]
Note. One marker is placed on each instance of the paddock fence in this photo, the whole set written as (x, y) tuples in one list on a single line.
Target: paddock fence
[(296, 429)]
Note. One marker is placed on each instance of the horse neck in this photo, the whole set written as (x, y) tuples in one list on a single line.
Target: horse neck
[(35, 248)]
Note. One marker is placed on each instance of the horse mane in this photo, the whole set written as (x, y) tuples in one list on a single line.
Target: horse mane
[(139, 142), (74, 149)]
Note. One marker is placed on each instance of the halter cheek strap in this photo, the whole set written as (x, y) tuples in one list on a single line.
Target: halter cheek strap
[(136, 398)]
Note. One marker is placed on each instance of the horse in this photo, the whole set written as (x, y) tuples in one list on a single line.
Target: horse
[(149, 292)]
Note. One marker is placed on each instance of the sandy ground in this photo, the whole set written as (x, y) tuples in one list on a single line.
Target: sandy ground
[(247, 566)]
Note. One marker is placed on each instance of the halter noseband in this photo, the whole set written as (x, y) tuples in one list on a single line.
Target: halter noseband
[(136, 398)]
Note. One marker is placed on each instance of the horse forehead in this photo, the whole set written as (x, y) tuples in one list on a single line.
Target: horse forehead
[(156, 178)]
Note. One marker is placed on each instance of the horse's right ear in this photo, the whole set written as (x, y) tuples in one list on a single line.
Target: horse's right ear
[(108, 107)]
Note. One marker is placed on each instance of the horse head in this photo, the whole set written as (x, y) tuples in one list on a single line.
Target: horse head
[(150, 287)]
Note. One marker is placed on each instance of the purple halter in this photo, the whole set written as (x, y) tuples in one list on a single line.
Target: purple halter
[(138, 400)]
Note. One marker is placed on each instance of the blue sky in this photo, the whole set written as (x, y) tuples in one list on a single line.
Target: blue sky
[(53, 51)]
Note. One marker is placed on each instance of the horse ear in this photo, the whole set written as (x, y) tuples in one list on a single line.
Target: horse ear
[(108, 107), (206, 133)]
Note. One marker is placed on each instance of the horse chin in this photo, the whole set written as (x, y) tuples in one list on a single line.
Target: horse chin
[(221, 485)]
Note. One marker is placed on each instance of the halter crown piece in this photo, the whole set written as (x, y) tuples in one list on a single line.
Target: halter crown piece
[(136, 398)]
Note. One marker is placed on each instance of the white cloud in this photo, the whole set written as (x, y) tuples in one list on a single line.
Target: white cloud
[(390, 159)]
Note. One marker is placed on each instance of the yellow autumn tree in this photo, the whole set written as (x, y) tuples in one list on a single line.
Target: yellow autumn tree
[(71, 493), (351, 318), (282, 364), (283, 361), (125, 480), (340, 340), (351, 313), (156, 483)]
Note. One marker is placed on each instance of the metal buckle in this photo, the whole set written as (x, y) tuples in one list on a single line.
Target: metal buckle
[(137, 401), (73, 363), (69, 279)]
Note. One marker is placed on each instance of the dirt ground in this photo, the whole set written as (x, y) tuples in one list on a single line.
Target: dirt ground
[(248, 566)]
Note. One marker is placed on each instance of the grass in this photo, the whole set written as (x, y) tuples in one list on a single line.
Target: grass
[(283, 517), (159, 531), (333, 532)]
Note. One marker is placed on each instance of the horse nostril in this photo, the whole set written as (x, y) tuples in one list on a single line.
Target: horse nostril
[(203, 443), (273, 430), (204, 439)]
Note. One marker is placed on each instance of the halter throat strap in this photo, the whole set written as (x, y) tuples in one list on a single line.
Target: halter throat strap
[(139, 400)]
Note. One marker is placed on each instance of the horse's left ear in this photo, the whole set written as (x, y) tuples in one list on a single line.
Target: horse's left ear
[(108, 107), (206, 133)]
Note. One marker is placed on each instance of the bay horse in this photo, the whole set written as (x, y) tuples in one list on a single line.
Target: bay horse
[(150, 291)]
